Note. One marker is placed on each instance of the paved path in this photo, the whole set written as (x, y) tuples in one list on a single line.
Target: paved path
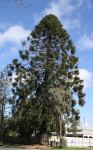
[(13, 148), (2, 148), (35, 147)]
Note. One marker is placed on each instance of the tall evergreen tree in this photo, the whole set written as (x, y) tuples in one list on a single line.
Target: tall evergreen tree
[(47, 73)]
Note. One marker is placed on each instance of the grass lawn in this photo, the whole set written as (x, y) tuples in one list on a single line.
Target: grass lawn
[(69, 148), (35, 147)]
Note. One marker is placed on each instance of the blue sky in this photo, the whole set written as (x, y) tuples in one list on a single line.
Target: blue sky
[(17, 21)]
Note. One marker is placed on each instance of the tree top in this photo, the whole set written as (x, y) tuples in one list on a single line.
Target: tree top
[(51, 24)]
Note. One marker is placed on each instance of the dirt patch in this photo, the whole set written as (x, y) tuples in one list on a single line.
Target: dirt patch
[(34, 147), (25, 147)]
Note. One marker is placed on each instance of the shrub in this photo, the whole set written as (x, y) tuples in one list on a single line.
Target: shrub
[(63, 142)]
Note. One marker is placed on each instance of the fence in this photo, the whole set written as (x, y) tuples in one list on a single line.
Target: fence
[(74, 141), (79, 142)]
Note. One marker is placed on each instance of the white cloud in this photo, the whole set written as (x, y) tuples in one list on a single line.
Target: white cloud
[(71, 24), (85, 42), (60, 8), (87, 76), (14, 34)]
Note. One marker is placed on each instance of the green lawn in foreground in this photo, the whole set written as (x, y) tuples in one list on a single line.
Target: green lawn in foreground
[(69, 148)]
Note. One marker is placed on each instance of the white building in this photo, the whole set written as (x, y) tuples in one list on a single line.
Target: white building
[(85, 132)]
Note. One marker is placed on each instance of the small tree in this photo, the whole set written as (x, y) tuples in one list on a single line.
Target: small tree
[(74, 126), (3, 101)]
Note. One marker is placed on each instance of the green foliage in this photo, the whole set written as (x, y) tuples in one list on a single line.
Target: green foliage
[(48, 76), (73, 127), (3, 101), (63, 142)]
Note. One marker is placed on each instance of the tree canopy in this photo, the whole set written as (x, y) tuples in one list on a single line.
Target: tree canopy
[(47, 77)]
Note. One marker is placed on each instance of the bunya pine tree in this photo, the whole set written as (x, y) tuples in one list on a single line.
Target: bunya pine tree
[(47, 74)]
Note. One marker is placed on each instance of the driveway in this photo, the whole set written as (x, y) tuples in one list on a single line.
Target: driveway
[(2, 148), (27, 147), (13, 148)]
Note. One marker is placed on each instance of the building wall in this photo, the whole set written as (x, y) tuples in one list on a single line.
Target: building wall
[(88, 133)]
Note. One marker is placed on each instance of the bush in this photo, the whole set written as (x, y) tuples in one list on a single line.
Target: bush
[(63, 142)]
